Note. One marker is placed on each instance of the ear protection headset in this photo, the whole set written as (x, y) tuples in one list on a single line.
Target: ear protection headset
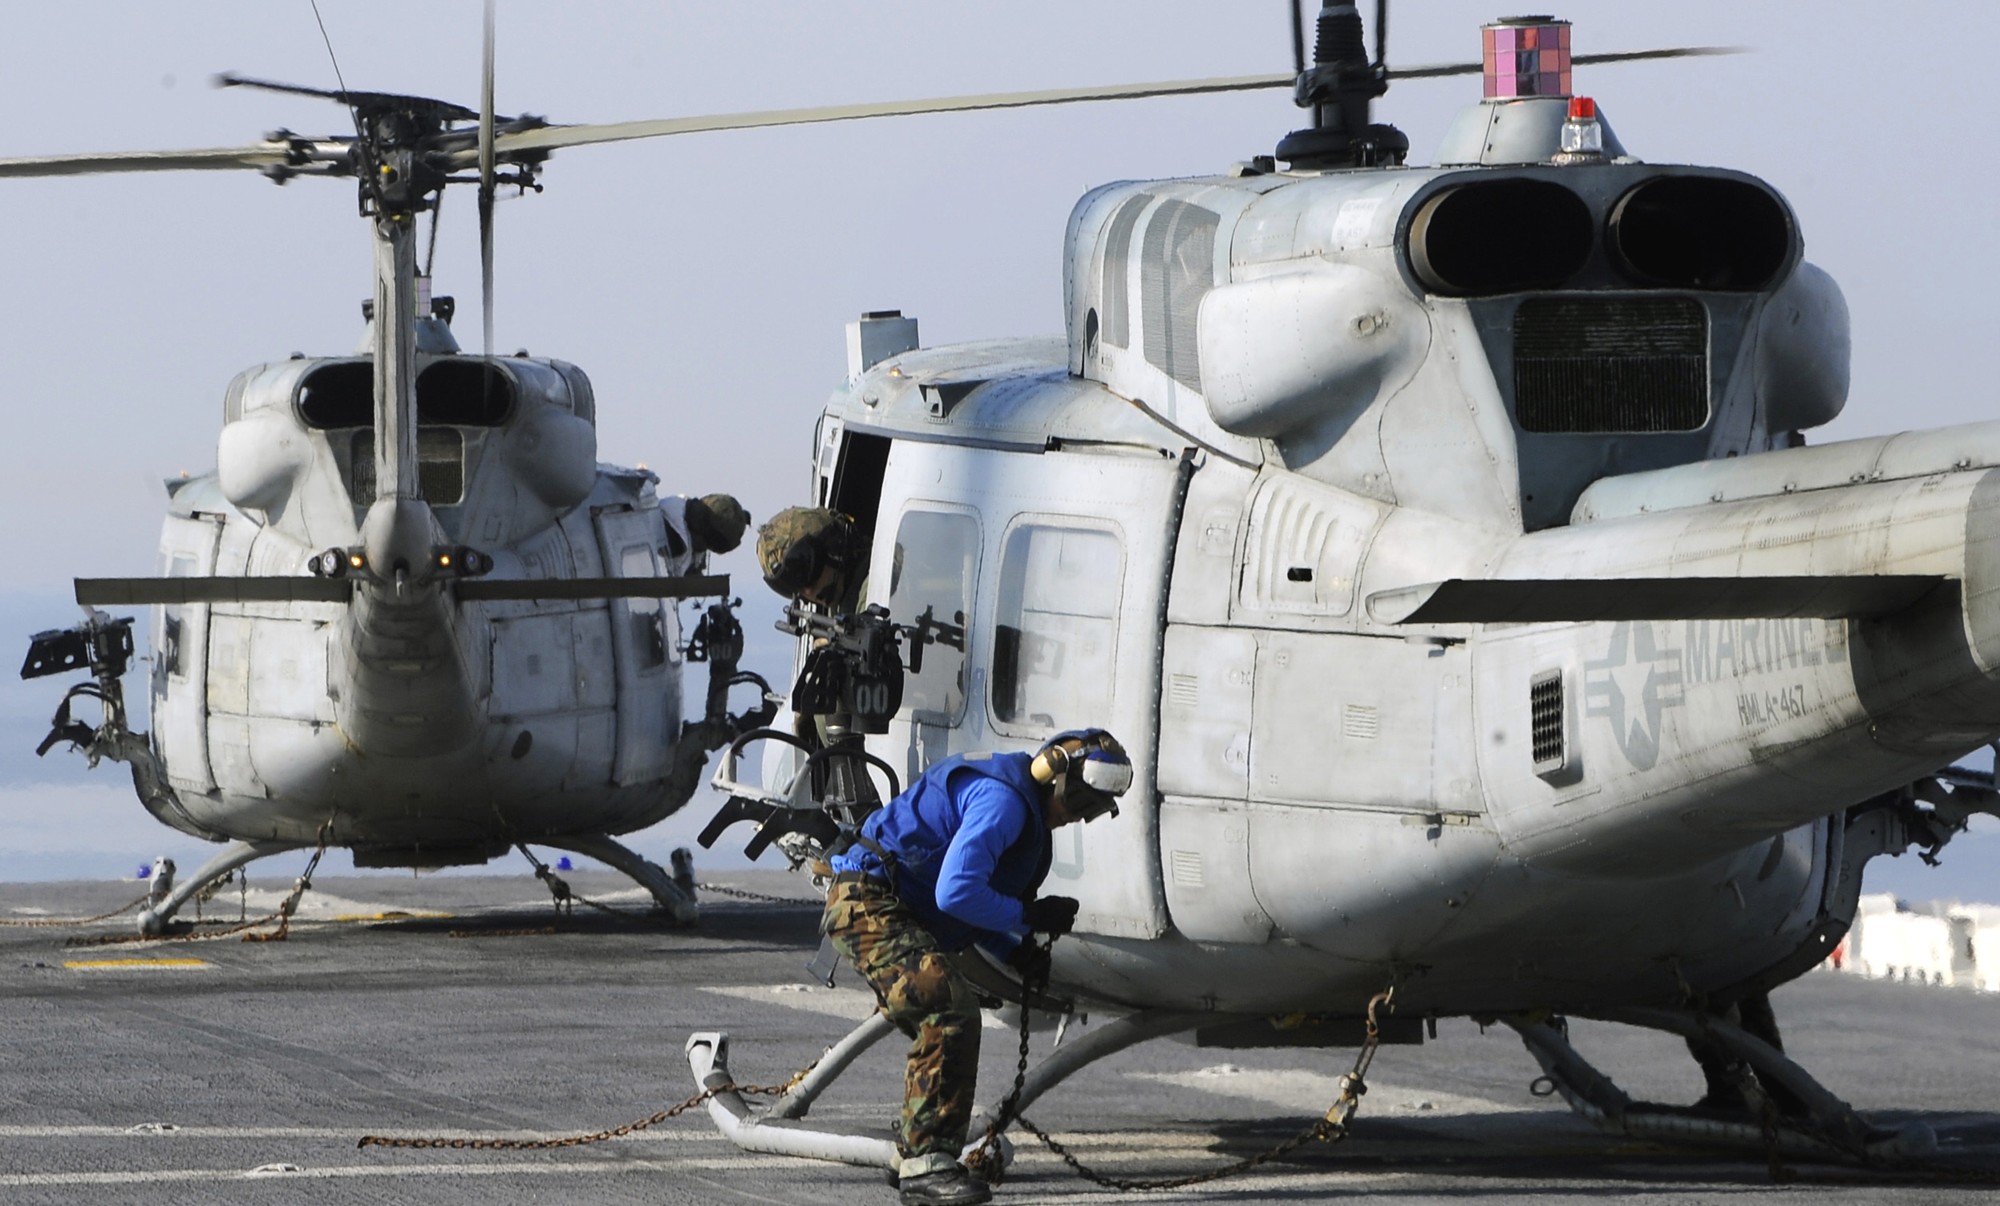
[(1051, 764)]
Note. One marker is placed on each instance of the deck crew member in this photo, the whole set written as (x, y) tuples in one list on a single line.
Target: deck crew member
[(956, 860)]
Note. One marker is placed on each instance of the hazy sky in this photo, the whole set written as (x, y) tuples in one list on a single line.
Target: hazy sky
[(703, 281)]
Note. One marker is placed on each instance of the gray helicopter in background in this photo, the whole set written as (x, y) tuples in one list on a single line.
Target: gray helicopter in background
[(1443, 545), (408, 613)]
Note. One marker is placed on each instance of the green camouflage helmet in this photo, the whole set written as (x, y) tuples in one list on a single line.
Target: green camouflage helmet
[(716, 522), (799, 544)]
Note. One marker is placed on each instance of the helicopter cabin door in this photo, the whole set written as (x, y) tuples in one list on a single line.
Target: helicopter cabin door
[(1053, 564), (645, 642), (181, 657)]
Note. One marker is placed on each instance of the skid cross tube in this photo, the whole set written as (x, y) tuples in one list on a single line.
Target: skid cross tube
[(782, 1133), (1834, 1118), (1832, 1130), (1106, 1040), (836, 1060), (708, 1059), (677, 902)]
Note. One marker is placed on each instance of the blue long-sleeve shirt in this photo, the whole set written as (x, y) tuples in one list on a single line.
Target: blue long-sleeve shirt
[(970, 845)]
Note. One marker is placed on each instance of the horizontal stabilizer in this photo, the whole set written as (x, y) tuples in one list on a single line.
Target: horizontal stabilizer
[(135, 592), (1583, 600), (688, 587)]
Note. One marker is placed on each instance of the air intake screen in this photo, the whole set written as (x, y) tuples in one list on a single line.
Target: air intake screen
[(1117, 253), (1620, 364), (1545, 709), (1176, 269), (440, 466)]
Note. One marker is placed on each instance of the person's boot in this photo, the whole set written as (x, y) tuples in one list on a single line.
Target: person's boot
[(939, 1180)]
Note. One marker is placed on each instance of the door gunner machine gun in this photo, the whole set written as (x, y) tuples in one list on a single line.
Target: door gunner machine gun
[(849, 685)]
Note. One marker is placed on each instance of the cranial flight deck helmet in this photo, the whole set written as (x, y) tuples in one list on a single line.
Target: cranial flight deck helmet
[(1089, 759)]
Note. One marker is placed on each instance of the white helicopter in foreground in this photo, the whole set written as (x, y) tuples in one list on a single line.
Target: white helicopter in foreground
[(1442, 544)]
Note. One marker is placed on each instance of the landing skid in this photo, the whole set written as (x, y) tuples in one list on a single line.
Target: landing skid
[(673, 893), (154, 918), (780, 1131), (1830, 1128)]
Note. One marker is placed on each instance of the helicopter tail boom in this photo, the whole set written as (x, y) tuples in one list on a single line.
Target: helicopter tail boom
[(1804, 649)]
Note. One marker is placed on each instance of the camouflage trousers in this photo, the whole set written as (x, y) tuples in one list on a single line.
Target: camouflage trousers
[(927, 1000)]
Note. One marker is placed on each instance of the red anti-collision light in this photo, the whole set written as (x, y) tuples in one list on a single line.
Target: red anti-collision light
[(1582, 108)]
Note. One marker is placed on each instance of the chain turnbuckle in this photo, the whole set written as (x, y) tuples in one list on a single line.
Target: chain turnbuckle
[(1355, 1084)]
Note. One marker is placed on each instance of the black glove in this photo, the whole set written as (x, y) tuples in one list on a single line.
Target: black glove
[(1052, 915), (1031, 961)]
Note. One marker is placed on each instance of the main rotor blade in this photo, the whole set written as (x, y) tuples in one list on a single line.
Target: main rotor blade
[(554, 137), (486, 189), (1437, 70), (365, 100), (548, 138), (229, 79), (255, 158)]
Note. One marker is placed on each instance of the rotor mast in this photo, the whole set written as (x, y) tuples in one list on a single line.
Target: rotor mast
[(398, 181), (1337, 88), (395, 359)]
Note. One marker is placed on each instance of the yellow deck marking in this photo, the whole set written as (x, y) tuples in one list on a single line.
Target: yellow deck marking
[(108, 964), (396, 915)]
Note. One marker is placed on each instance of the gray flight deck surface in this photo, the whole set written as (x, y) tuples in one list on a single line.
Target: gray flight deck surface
[(283, 1053)]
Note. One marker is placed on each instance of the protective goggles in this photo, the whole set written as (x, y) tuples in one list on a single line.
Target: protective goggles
[(1101, 774)]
